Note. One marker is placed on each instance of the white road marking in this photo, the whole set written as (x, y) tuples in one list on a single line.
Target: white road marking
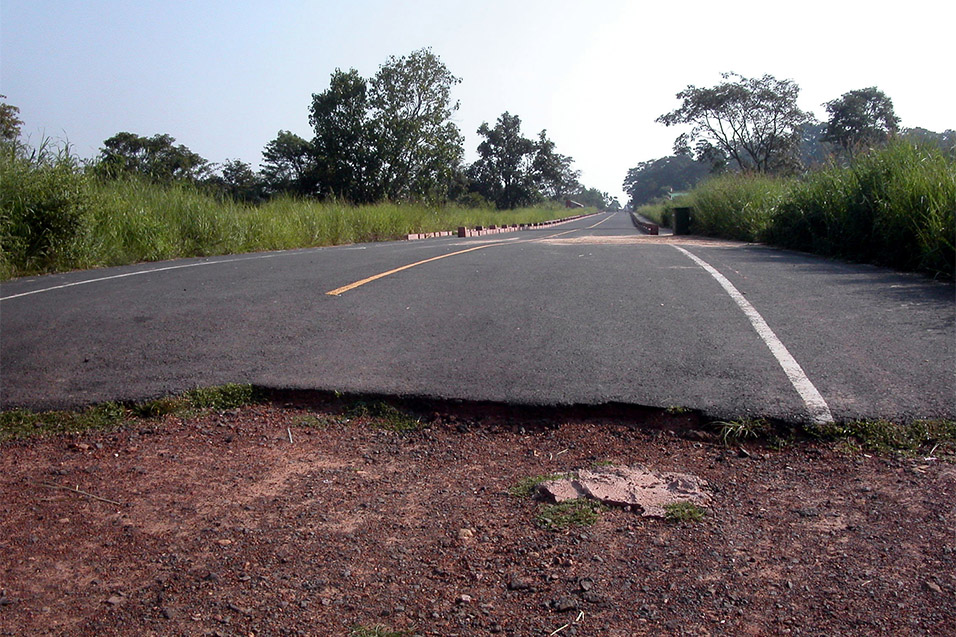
[(137, 273), (816, 405)]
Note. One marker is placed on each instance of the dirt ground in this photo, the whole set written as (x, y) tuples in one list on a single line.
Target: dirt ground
[(299, 520)]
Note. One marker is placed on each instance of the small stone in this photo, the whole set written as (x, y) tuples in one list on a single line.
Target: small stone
[(586, 584), (465, 534), (520, 584), (464, 599), (564, 604), (168, 613), (933, 586), (115, 600)]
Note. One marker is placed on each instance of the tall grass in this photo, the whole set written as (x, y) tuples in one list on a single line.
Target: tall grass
[(53, 217), (736, 206), (894, 206)]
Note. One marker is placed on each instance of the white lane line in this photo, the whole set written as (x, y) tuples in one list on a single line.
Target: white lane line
[(816, 405), (137, 273)]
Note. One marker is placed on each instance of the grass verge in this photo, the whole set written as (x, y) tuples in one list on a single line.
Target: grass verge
[(20, 424)]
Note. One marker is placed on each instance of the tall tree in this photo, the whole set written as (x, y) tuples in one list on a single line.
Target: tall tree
[(347, 165), (503, 171), (10, 121), (157, 157), (236, 179), (751, 123), (860, 119), (655, 178), (287, 165), (553, 174), (418, 144)]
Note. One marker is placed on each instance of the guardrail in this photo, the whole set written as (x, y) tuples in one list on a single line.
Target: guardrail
[(645, 225)]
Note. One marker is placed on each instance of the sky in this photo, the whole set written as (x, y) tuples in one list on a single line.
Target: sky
[(223, 77)]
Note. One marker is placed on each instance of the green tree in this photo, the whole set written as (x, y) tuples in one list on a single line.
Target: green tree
[(288, 165), (347, 165), (553, 174), (748, 122), (157, 158), (860, 120), (503, 172), (416, 141), (10, 121), (238, 181), (656, 178)]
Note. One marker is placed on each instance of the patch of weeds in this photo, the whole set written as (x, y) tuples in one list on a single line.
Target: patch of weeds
[(736, 431), (579, 512), (684, 512), (526, 487), (379, 630), (313, 421), (160, 407), (22, 423), (229, 396), (677, 410), (602, 463), (883, 436), (385, 416)]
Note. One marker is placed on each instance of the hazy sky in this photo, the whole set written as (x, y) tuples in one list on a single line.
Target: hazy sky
[(223, 77)]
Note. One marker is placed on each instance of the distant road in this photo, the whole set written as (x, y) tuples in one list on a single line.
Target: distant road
[(587, 312)]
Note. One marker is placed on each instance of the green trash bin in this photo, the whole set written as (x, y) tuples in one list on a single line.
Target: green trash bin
[(682, 220)]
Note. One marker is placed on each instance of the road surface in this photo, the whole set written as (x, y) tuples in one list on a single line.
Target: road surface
[(587, 312)]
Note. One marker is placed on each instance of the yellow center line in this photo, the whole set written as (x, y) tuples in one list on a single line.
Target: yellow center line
[(382, 275), (352, 286), (599, 222)]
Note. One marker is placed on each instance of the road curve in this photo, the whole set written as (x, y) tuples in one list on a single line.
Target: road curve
[(587, 312)]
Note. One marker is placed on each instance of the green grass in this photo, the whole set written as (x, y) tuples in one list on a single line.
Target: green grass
[(883, 436), (385, 416), (55, 217), (733, 432), (684, 512), (19, 424), (894, 206), (559, 517), (527, 487)]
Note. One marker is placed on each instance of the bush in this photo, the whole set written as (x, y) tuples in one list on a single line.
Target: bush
[(893, 207), (45, 203)]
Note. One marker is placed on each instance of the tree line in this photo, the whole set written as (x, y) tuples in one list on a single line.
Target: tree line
[(387, 137), (755, 125)]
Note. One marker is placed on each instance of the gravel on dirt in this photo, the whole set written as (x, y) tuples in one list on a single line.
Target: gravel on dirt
[(217, 524)]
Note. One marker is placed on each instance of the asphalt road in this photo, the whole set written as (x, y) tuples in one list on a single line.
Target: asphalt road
[(582, 313)]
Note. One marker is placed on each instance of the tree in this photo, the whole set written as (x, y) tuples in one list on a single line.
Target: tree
[(391, 136), (418, 144), (288, 166), (503, 171), (656, 178), (343, 147), (592, 197), (156, 157), (239, 181), (750, 122), (860, 119), (10, 121), (513, 171), (553, 174)]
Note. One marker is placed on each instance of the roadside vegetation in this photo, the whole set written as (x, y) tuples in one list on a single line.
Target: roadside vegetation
[(385, 161), (754, 167)]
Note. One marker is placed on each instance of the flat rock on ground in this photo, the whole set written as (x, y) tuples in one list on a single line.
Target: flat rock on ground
[(633, 488)]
